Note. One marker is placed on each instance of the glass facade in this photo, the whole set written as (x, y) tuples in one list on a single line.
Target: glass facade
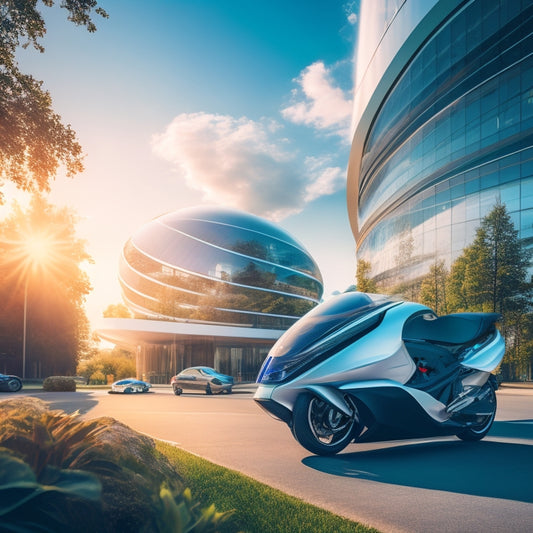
[(210, 287), (214, 265), (452, 136)]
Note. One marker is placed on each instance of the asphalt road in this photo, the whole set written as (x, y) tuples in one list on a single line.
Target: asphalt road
[(431, 485)]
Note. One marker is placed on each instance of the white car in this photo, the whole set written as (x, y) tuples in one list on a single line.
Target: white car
[(130, 385)]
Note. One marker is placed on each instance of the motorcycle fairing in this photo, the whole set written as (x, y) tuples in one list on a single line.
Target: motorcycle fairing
[(380, 353), (487, 358), (394, 412)]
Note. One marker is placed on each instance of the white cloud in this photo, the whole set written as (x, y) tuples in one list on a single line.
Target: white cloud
[(351, 9), (241, 163), (327, 179), (322, 105)]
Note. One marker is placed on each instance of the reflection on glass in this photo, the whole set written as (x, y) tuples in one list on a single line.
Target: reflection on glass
[(451, 139), (167, 271)]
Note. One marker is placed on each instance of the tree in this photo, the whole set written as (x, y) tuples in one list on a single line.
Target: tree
[(40, 264), (363, 281), (491, 276), (117, 311), (456, 298), (492, 271), (116, 362), (433, 288), (33, 141)]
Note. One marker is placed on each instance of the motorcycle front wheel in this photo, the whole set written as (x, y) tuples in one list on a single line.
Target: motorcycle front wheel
[(321, 428), (482, 423)]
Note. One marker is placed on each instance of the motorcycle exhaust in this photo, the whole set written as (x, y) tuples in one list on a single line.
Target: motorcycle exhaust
[(466, 398)]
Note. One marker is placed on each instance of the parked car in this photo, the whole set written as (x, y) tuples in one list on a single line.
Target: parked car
[(130, 385), (10, 383), (201, 378)]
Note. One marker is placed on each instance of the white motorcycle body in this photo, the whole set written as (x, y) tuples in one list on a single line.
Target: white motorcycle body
[(362, 369)]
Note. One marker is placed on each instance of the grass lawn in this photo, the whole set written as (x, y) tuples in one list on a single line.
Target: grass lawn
[(259, 508)]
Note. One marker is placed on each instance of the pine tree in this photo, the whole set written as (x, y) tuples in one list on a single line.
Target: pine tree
[(491, 273), (433, 288)]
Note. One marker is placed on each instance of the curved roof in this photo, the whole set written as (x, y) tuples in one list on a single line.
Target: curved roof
[(137, 332)]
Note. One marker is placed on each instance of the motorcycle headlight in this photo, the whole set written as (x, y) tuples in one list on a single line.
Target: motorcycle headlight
[(277, 369)]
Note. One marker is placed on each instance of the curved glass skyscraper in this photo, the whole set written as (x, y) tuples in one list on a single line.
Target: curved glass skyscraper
[(443, 129)]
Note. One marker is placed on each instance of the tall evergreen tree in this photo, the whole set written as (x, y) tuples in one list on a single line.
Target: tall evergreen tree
[(433, 288), (456, 297), (491, 273), (491, 276)]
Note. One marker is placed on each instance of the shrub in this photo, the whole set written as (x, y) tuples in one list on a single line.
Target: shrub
[(26, 503), (59, 384), (58, 456)]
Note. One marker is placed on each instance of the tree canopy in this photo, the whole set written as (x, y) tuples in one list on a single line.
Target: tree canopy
[(33, 140), (491, 273), (41, 262)]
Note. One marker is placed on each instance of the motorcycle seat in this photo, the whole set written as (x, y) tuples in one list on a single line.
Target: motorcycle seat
[(454, 329)]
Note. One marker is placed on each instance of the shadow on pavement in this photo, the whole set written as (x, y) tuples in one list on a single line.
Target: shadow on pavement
[(66, 401), (488, 469)]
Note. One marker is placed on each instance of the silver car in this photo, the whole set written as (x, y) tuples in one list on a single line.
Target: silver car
[(130, 385), (201, 379)]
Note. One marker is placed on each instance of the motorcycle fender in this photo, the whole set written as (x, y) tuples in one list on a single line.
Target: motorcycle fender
[(332, 396), (488, 357)]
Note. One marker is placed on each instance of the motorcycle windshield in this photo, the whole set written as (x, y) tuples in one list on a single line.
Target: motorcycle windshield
[(314, 334), (324, 320)]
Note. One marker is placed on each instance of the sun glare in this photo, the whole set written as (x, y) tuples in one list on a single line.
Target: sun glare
[(38, 248), (36, 252)]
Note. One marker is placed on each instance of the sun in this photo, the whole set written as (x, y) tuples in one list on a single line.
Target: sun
[(38, 248), (36, 252)]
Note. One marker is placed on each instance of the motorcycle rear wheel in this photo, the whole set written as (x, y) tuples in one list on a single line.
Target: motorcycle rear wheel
[(319, 427), (482, 425)]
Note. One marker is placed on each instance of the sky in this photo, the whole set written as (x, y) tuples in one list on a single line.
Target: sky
[(177, 103)]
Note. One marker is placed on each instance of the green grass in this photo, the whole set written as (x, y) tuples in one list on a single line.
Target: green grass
[(258, 507)]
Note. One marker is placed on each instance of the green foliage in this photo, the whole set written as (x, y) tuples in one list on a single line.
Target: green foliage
[(59, 384), (180, 514), (117, 311), (27, 505), (489, 276), (117, 362), (363, 281), (433, 288), (129, 468), (97, 378), (491, 272), (33, 141)]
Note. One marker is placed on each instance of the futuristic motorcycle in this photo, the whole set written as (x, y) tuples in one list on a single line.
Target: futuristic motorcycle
[(366, 369)]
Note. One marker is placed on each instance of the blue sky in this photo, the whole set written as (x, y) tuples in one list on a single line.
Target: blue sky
[(178, 103)]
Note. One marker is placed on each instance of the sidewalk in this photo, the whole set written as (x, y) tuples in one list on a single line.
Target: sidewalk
[(517, 385)]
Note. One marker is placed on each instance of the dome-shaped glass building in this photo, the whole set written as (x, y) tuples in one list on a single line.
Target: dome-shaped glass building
[(210, 286)]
